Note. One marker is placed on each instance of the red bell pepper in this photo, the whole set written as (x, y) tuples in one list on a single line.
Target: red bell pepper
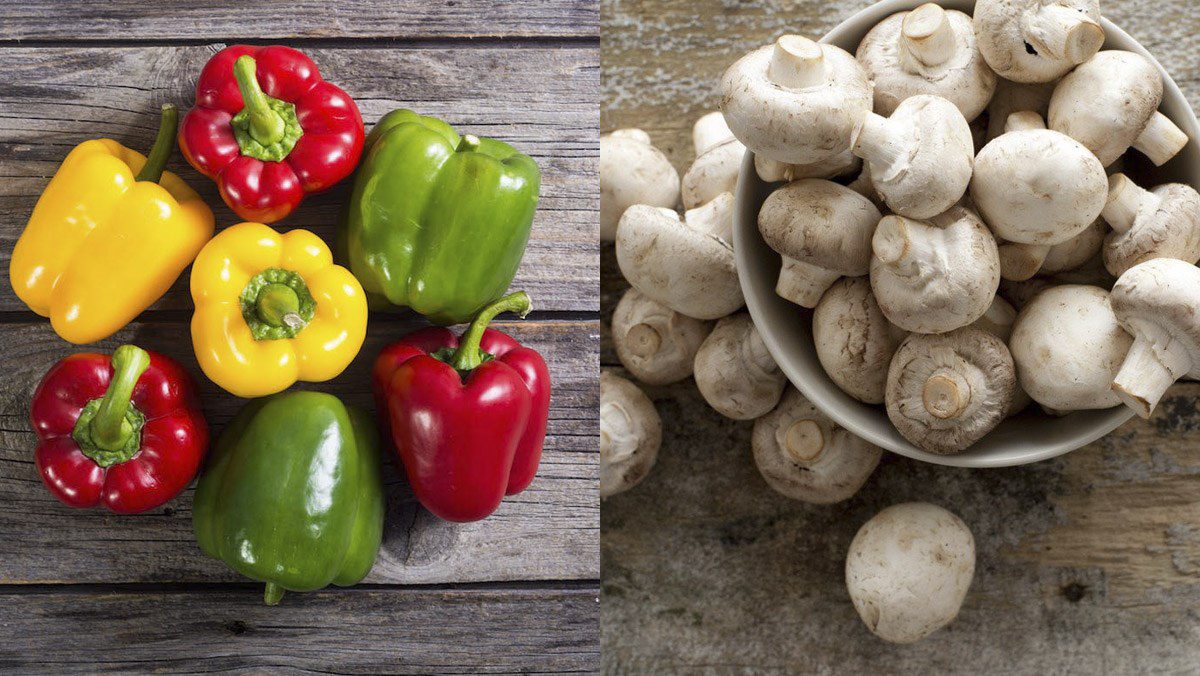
[(125, 432), (268, 130), (467, 415)]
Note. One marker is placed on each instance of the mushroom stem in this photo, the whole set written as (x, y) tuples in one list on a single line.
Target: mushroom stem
[(882, 143), (644, 340), (803, 283), (802, 442), (946, 394), (1126, 200), (893, 246), (1150, 367), (1064, 33), (1161, 139), (926, 38), (709, 131), (1025, 120), (1019, 262), (796, 63)]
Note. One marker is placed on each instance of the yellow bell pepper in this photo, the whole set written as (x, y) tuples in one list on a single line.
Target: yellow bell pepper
[(108, 237), (272, 309)]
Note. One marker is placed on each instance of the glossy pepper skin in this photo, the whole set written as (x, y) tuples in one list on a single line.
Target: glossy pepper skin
[(467, 416), (108, 203), (293, 494), (272, 309), (438, 222), (269, 130), (125, 431)]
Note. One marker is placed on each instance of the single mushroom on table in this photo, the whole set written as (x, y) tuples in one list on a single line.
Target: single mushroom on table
[(822, 230), (795, 101), (734, 372), (632, 172), (920, 158), (718, 162), (630, 434), (655, 343), (1146, 224), (909, 569), (929, 50), (1110, 104), (853, 340), (1158, 302), (934, 276), (685, 264), (1037, 40), (805, 456)]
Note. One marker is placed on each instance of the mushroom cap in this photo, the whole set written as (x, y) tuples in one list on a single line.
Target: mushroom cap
[(964, 78), (714, 172), (802, 124), (1105, 103), (1168, 229), (773, 171), (655, 343), (1077, 251), (908, 570), (822, 223), (632, 172), (854, 341), (708, 131), (1068, 346), (630, 434), (946, 391), (1032, 41), (1161, 298), (734, 372), (805, 456), (677, 263)]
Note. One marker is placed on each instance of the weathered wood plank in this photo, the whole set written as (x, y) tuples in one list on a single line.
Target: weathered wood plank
[(206, 19), (358, 631), (543, 100), (548, 532)]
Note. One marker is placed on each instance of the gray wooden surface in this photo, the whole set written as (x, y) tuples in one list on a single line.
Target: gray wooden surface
[(88, 590), (1088, 564)]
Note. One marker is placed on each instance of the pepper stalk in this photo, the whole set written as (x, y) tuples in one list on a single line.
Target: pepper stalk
[(164, 144), (469, 355)]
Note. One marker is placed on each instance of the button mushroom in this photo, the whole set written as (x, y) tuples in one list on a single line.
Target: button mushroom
[(718, 162), (630, 434), (920, 158), (685, 264), (709, 131), (909, 569), (839, 165), (1111, 103), (1159, 303), (805, 456), (934, 276), (945, 391), (655, 343), (1014, 97), (735, 373), (1037, 40), (1077, 251), (822, 230), (796, 101), (927, 51), (632, 172), (853, 340), (1068, 346), (999, 320), (1163, 223)]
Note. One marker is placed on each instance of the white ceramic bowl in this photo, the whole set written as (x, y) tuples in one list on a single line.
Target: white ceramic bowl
[(787, 329)]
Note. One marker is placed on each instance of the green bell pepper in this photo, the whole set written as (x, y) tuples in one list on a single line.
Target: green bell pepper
[(437, 222), (293, 494)]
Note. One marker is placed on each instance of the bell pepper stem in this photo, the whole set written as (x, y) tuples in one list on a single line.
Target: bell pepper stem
[(468, 355), (468, 142), (266, 125), (273, 594), (109, 429), (278, 305), (164, 143)]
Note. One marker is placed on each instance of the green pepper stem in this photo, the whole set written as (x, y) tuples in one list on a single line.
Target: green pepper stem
[(273, 594), (109, 429), (164, 143), (266, 125), (467, 142), (468, 355), (278, 305)]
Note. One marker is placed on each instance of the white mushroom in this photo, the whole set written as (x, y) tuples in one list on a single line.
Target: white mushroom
[(1159, 303), (853, 340), (822, 230), (685, 264), (999, 320), (934, 276), (1037, 40), (946, 391), (863, 185), (1014, 97), (714, 172), (1163, 223), (796, 101), (1068, 346), (655, 343), (920, 157), (735, 373), (927, 51), (632, 172), (1020, 293), (630, 434), (805, 456), (709, 131), (773, 171), (1077, 251), (1111, 103), (909, 569)]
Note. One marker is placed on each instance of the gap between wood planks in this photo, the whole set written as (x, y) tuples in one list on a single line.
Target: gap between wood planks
[(501, 586), (429, 42)]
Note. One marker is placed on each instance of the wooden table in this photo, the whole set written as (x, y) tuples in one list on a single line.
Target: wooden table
[(89, 591), (1087, 564)]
